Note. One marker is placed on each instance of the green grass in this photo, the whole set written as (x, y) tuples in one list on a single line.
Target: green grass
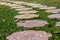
[(8, 26)]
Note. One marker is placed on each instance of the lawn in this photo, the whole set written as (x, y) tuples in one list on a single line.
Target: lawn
[(8, 26)]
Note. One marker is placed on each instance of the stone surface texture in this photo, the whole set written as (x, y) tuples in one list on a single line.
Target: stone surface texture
[(33, 23), (29, 35)]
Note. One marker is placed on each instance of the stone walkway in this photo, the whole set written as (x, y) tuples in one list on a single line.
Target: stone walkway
[(33, 23), (29, 13), (29, 35)]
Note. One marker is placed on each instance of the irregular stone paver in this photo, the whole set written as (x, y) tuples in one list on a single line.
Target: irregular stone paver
[(32, 4), (24, 9), (47, 8), (54, 16), (58, 24), (13, 5), (18, 2), (40, 6), (29, 35), (18, 7), (3, 3), (33, 23), (5, 0), (28, 12), (53, 11), (9, 4), (26, 16), (24, 3)]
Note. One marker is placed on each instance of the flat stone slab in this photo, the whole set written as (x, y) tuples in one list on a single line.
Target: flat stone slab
[(29, 35), (11, 5), (3, 3), (28, 12), (47, 8), (58, 24), (53, 11), (18, 7), (24, 3), (39, 6), (8, 4), (26, 16), (32, 23), (32, 4), (54, 16), (15, 5), (18, 2), (5, 0), (24, 9)]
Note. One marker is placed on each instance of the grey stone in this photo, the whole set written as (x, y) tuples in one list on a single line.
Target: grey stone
[(39, 6), (53, 11), (33, 4), (47, 8), (28, 12), (3, 3), (58, 24), (26, 16), (17, 6), (18, 2), (24, 9), (54, 16), (32, 23), (30, 35)]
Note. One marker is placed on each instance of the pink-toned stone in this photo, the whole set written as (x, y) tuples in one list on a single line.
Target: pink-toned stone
[(3, 3), (24, 9), (28, 12), (54, 16), (26, 16), (29, 35), (39, 6), (53, 11), (47, 8), (33, 23), (58, 24)]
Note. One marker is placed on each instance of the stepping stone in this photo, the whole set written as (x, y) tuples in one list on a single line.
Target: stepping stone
[(54, 16), (27, 12), (24, 9), (32, 4), (5, 0), (26, 16), (18, 2), (29, 35), (3, 3), (47, 8), (24, 3), (58, 24), (18, 7), (53, 11), (11, 5), (40, 6), (14, 5), (33, 23)]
